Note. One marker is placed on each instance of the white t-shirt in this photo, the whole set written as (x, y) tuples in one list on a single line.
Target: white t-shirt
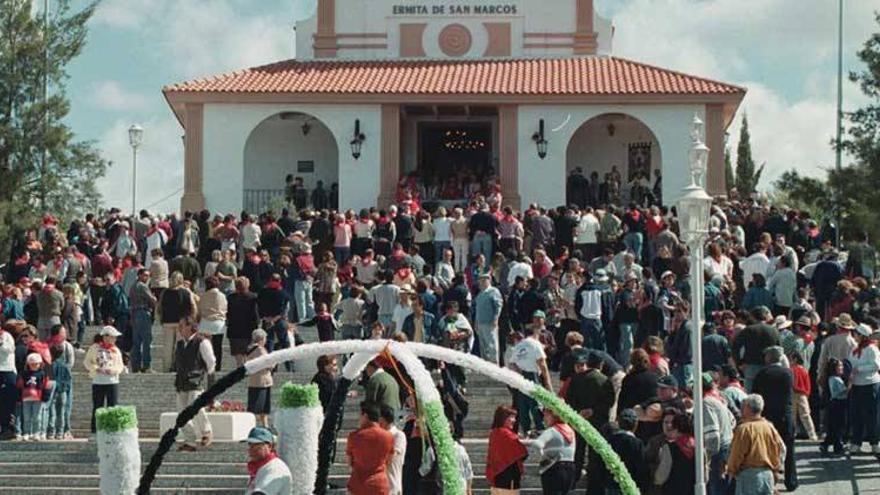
[(395, 468), (272, 479), (399, 315), (527, 353), (442, 229), (587, 230)]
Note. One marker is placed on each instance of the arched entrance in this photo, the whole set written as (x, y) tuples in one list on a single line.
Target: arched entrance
[(288, 143), (612, 147)]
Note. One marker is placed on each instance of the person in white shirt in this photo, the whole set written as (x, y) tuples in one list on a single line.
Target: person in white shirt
[(249, 234), (587, 234), (385, 296), (445, 272), (522, 267), (530, 361), (395, 465), (402, 310), (156, 239), (442, 234), (267, 473), (7, 384), (757, 262), (555, 448)]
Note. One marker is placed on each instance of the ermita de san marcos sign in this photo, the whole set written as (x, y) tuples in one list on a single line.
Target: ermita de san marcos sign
[(455, 9)]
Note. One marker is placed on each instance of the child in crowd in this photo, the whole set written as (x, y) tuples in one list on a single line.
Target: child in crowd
[(801, 398), (259, 384), (837, 407), (59, 405), (324, 322), (35, 388)]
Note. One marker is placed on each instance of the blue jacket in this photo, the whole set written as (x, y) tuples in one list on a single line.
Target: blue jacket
[(13, 309), (757, 296), (488, 305)]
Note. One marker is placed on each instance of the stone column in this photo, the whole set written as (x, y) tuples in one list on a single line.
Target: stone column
[(715, 180), (585, 36), (325, 37), (193, 195), (508, 152), (390, 155)]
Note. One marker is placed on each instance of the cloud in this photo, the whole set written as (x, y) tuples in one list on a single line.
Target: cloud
[(110, 95), (199, 39), (159, 168), (782, 51), (186, 39)]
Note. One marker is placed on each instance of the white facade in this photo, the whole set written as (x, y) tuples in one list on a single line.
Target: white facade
[(227, 128), (527, 19), (543, 181), (237, 144)]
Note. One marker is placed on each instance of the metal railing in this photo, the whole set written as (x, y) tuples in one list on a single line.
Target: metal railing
[(260, 200)]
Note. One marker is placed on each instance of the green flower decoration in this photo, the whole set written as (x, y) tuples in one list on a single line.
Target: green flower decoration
[(116, 419), (444, 448), (293, 395), (594, 439)]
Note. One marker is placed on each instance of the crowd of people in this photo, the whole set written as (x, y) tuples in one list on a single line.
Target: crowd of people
[(590, 300)]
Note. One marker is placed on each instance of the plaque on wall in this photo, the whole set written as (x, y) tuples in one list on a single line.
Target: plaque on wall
[(305, 167)]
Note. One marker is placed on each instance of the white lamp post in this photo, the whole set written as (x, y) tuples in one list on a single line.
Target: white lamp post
[(693, 214), (135, 138)]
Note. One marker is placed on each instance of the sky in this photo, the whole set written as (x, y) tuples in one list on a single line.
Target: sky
[(783, 51)]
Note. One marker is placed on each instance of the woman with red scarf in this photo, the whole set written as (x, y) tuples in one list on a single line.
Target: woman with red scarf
[(555, 447), (104, 364), (675, 473), (506, 454)]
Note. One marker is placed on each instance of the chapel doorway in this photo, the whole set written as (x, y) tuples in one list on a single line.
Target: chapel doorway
[(450, 152)]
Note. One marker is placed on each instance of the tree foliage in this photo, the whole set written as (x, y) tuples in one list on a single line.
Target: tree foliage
[(852, 192), (747, 176), (43, 168)]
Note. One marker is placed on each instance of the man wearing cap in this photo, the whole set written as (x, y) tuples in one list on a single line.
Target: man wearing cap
[(267, 473), (838, 346), (631, 451), (750, 343), (775, 383), (487, 310), (594, 303), (650, 412)]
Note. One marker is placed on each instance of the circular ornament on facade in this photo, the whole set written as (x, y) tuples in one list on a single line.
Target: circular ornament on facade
[(455, 40)]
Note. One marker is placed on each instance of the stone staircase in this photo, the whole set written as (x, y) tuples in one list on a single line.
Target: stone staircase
[(71, 467)]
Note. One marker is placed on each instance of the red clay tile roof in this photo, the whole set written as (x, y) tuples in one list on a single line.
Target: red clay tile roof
[(563, 76)]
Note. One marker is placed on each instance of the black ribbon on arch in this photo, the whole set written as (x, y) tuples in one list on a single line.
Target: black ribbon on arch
[(327, 439), (168, 439)]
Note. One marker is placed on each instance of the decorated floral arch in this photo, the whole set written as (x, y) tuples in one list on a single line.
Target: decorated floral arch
[(407, 354)]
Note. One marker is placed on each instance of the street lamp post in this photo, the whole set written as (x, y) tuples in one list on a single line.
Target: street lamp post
[(135, 138), (693, 213)]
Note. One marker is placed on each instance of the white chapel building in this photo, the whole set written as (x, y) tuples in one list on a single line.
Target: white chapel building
[(527, 90)]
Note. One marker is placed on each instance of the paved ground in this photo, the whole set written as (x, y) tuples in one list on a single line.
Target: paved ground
[(858, 474)]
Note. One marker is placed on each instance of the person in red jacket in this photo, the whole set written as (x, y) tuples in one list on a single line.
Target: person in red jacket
[(802, 389), (369, 451)]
